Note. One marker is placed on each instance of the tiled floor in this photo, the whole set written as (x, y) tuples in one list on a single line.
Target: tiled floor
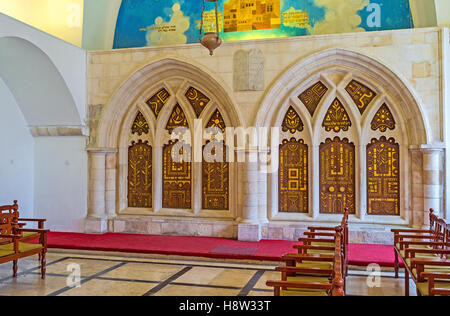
[(136, 276)]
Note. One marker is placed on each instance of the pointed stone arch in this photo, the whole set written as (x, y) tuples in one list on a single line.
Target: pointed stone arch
[(353, 62), (151, 74)]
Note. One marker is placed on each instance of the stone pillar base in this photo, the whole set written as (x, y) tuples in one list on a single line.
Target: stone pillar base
[(95, 225), (249, 232)]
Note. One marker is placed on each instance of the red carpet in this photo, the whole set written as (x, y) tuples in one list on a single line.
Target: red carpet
[(265, 250)]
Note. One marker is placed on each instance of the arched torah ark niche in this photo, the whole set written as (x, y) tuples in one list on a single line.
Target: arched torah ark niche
[(344, 143), (361, 150), (163, 185)]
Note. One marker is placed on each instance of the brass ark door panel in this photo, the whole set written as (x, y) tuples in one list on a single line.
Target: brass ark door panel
[(140, 175), (337, 176), (383, 177), (293, 177)]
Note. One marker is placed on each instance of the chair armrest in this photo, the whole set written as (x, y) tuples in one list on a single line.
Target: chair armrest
[(308, 257), (416, 236), (34, 230), (9, 236), (320, 234), (298, 285), (304, 270), (419, 231), (421, 243), (426, 251), (308, 240), (32, 220), (311, 228), (435, 275), (306, 247), (430, 262)]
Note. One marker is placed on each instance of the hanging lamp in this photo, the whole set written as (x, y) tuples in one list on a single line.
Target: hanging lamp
[(210, 40)]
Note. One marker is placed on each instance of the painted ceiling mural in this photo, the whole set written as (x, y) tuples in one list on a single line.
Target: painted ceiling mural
[(168, 22)]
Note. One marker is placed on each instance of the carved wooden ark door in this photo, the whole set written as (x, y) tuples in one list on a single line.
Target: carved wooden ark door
[(337, 176), (140, 175)]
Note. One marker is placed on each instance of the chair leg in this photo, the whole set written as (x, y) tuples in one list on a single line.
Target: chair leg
[(397, 264), (43, 264), (15, 268), (406, 282)]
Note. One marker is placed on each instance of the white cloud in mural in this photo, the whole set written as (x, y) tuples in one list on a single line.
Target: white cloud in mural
[(341, 16), (169, 33)]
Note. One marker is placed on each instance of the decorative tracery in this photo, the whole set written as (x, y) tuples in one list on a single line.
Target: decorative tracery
[(361, 95), (383, 120), (292, 122), (140, 125), (336, 118), (312, 96), (157, 102), (177, 119), (197, 100)]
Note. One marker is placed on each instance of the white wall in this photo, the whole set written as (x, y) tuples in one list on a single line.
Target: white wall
[(61, 182), (16, 155), (69, 60)]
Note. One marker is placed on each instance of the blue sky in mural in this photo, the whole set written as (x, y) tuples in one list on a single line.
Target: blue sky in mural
[(167, 22)]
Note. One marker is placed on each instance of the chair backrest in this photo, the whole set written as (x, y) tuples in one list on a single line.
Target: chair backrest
[(9, 215)]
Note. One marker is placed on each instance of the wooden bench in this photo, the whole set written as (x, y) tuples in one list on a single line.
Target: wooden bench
[(425, 255), (320, 266), (314, 281), (14, 238)]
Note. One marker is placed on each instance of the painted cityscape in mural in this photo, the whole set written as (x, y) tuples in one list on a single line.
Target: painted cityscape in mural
[(169, 22)]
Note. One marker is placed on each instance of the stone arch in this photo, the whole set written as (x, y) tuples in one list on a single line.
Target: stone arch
[(46, 104), (403, 96), (150, 75)]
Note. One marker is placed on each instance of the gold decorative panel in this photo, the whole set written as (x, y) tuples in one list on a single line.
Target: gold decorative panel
[(157, 102), (361, 95), (293, 177), (383, 120), (216, 183), (177, 180), (140, 175), (312, 96), (140, 125), (216, 121), (336, 118), (197, 99), (292, 121), (383, 177), (337, 176), (177, 119)]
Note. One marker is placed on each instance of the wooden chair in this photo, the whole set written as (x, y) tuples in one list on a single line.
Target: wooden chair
[(314, 281), (401, 234), (13, 239), (424, 254), (318, 241)]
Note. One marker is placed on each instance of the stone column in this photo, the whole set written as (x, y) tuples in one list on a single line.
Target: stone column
[(432, 182), (263, 174), (96, 217), (96, 184), (110, 185), (249, 227)]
